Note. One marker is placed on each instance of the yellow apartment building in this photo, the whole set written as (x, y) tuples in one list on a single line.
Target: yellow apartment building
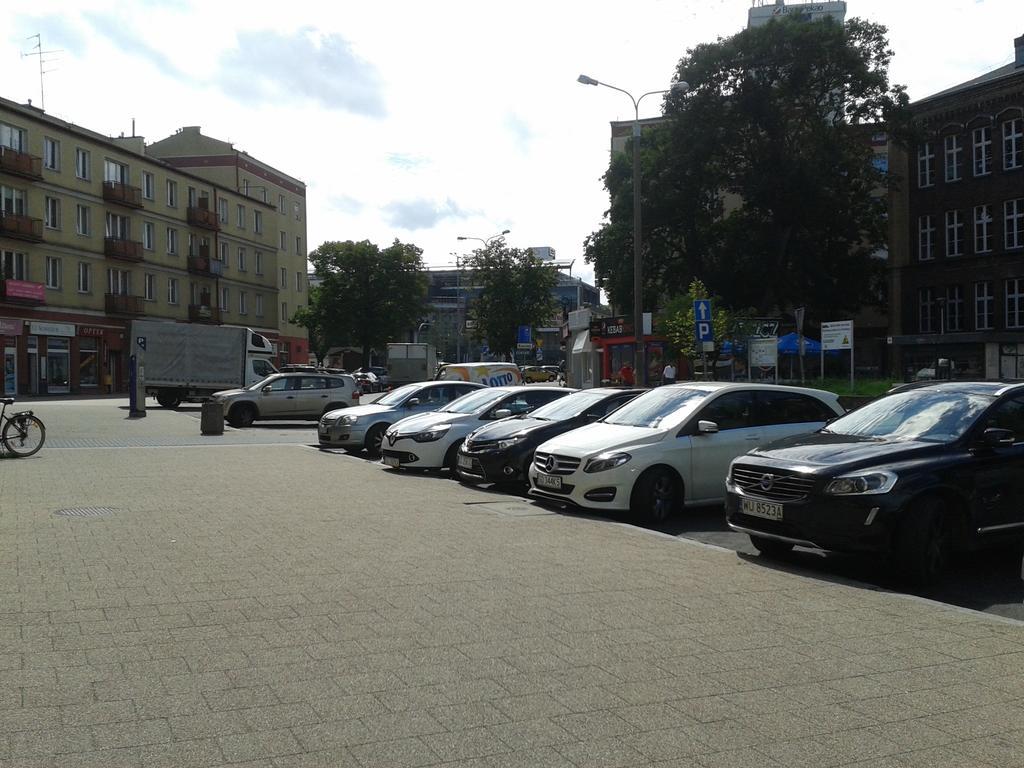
[(97, 231)]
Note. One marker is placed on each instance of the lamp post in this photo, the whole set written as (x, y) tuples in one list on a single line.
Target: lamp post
[(640, 355), (416, 333), (459, 302)]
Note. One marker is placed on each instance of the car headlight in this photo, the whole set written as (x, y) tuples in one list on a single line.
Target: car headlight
[(862, 483), (509, 442), (432, 434), (605, 461), (348, 419)]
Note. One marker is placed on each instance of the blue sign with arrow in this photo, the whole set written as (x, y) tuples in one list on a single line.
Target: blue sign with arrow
[(704, 320)]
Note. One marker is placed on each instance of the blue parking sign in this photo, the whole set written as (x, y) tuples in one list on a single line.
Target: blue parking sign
[(703, 319)]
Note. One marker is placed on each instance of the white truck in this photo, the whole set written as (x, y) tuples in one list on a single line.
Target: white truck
[(186, 362), (410, 363)]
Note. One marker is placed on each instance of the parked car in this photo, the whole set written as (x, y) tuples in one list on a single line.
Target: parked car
[(915, 474), (296, 395), (367, 382), (501, 452), (431, 441), (362, 427), (382, 375), (535, 373), (671, 446)]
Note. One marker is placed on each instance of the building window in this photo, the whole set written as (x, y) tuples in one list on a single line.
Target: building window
[(259, 305), (296, 209), (84, 277), (1015, 302), (224, 253), (148, 235), (954, 234), (14, 138), (241, 303), (241, 259), (192, 251), (925, 307), (284, 312), (150, 287), (259, 262), (12, 201), (1013, 143), (224, 300), (257, 222), (983, 150), (1013, 213), (114, 171), (51, 154), (52, 213), (284, 241), (284, 277), (280, 204), (925, 165), (925, 238), (298, 245), (222, 210), (982, 231), (14, 265), (984, 306), (117, 227), (193, 293), (148, 185), (52, 272), (172, 194), (954, 308), (119, 282), (82, 169), (82, 223), (191, 197), (172, 241), (240, 218), (954, 158), (172, 290)]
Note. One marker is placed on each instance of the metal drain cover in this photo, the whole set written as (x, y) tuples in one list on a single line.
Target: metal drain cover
[(86, 511)]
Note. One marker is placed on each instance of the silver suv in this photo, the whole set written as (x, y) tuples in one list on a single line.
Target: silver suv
[(356, 429), (284, 396)]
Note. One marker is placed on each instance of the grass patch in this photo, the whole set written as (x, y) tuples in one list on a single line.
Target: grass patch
[(861, 387)]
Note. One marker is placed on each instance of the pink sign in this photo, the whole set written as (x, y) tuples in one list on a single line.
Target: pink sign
[(11, 327), (21, 289)]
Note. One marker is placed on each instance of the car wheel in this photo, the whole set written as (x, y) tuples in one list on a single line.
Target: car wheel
[(375, 440), (771, 547), (242, 416), (656, 496), (451, 459), (168, 398), (923, 541)]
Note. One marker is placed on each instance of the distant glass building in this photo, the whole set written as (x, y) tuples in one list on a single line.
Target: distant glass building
[(763, 11)]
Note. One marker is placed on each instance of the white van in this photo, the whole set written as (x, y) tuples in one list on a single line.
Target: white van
[(488, 374)]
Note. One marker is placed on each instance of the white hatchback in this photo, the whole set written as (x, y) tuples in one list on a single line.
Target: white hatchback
[(672, 446)]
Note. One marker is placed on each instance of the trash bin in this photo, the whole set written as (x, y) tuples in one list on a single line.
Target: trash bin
[(211, 422)]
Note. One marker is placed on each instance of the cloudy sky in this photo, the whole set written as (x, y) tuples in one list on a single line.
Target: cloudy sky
[(427, 120)]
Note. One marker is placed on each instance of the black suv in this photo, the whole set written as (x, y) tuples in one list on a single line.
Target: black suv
[(916, 474), (501, 452)]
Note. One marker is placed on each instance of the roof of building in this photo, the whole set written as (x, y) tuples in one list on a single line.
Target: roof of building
[(1004, 72)]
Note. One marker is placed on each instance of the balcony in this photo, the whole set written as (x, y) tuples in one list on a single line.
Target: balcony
[(122, 250), (21, 164), (204, 265), (21, 227), (121, 304), (122, 194), (22, 292), (202, 217), (203, 313)]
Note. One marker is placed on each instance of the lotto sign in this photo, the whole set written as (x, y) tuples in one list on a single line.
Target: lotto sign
[(837, 335)]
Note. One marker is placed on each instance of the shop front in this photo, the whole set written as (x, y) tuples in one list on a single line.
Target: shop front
[(613, 338), (10, 332), (55, 358)]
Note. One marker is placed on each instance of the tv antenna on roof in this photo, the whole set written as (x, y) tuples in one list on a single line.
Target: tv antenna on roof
[(41, 55)]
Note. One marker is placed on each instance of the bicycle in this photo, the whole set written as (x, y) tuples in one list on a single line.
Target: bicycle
[(23, 433)]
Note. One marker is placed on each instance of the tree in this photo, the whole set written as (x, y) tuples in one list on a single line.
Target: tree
[(312, 318), (368, 296), (761, 180), (680, 322), (515, 289)]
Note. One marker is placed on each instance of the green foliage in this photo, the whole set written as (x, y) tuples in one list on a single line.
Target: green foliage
[(515, 289), (680, 322), (368, 296), (760, 179), (312, 318)]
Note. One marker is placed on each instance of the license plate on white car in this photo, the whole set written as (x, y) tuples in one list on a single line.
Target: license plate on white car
[(766, 509), (549, 481), (391, 461), (465, 462)]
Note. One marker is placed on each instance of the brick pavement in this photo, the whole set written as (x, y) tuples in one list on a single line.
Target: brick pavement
[(274, 606)]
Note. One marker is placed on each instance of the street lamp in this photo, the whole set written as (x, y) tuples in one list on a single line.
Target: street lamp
[(486, 241), (416, 333), (638, 300), (459, 303)]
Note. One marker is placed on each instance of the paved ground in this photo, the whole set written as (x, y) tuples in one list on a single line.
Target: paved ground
[(271, 605)]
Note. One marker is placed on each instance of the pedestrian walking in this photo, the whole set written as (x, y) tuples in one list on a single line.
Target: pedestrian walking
[(668, 373)]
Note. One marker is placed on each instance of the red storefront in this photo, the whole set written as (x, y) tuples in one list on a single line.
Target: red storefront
[(613, 338)]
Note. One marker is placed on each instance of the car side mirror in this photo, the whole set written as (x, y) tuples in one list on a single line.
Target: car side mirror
[(502, 413), (706, 427), (995, 437), (412, 402), (266, 389)]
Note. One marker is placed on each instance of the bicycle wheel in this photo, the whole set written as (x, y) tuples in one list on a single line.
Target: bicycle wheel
[(23, 435)]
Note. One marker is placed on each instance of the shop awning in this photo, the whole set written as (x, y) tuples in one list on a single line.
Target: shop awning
[(581, 343)]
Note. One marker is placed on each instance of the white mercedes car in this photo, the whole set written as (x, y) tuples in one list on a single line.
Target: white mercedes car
[(432, 440), (671, 447)]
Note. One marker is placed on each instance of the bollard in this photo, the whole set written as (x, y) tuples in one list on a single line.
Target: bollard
[(211, 422)]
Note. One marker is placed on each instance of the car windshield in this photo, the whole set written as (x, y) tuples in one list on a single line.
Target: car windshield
[(657, 407), (929, 415), (397, 396), (476, 401), (568, 407), (263, 382)]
